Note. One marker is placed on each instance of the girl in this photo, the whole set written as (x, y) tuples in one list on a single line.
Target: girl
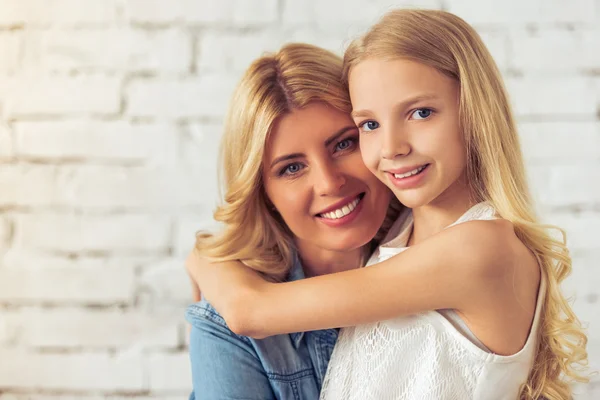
[(290, 157), (466, 288)]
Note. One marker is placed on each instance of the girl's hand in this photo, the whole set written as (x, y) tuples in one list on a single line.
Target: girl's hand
[(190, 261), (232, 288), (196, 294)]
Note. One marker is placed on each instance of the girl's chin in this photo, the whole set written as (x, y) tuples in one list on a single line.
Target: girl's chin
[(412, 201)]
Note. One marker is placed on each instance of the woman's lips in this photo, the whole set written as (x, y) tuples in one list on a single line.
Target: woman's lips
[(349, 213)]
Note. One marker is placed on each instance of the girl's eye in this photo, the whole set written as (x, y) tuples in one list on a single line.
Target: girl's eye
[(421, 113), (369, 126), (291, 169), (345, 144)]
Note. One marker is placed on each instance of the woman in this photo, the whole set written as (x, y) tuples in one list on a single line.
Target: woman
[(467, 288), (299, 202)]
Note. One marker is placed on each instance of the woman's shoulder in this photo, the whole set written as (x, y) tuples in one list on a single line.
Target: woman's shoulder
[(203, 316), (206, 320), (203, 311)]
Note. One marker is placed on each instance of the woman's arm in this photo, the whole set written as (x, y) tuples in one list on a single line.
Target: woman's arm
[(456, 268)]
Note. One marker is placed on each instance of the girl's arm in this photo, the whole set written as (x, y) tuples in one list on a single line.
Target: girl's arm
[(456, 268), (196, 294)]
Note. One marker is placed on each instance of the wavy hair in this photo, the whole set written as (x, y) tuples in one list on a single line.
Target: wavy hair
[(495, 170), (274, 85)]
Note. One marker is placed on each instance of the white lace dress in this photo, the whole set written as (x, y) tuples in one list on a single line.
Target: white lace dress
[(424, 356)]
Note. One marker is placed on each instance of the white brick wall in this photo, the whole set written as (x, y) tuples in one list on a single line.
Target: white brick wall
[(110, 116)]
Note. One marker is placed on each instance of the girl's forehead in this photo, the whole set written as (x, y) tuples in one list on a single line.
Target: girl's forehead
[(398, 81)]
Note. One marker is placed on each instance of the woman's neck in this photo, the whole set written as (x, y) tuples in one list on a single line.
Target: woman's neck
[(318, 261)]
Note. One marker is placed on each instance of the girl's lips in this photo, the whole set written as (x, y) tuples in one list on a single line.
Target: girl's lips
[(401, 171), (410, 181), (346, 219)]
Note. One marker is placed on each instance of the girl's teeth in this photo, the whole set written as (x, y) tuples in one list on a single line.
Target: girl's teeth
[(410, 173), (341, 212)]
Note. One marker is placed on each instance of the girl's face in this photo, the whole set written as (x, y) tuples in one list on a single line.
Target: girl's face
[(315, 177), (408, 117)]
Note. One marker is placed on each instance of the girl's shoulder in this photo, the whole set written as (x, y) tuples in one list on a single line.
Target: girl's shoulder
[(492, 245)]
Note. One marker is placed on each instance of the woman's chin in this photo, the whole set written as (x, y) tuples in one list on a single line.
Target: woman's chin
[(349, 245)]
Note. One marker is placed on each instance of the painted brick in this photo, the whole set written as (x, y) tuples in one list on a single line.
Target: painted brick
[(170, 372), (91, 140), (27, 278), (555, 50), (58, 12), (76, 328), (110, 121), (10, 51), (166, 281), (64, 371), (117, 233), (566, 185), (514, 12), (6, 142), (236, 12), (207, 96), (566, 97), (167, 50), (560, 142), (34, 96)]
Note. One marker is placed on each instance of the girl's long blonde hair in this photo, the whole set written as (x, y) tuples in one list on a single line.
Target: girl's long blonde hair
[(273, 85), (495, 169)]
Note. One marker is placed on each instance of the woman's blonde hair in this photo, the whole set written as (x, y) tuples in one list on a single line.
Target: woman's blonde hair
[(274, 85), (495, 169)]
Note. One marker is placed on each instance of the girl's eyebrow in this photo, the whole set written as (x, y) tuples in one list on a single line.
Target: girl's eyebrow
[(402, 105)]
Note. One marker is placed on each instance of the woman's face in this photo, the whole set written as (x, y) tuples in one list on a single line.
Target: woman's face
[(410, 137), (316, 179)]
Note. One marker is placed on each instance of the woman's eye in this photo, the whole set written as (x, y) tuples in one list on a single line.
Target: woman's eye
[(422, 113), (345, 144), (291, 169), (369, 126)]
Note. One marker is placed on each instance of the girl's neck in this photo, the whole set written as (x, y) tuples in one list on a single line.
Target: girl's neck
[(318, 261), (433, 217)]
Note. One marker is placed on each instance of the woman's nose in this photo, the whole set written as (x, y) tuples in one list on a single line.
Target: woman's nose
[(329, 179)]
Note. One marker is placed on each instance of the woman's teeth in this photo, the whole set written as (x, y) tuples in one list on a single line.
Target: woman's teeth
[(342, 212), (410, 173)]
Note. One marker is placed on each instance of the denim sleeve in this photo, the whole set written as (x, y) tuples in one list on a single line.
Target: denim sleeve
[(225, 366)]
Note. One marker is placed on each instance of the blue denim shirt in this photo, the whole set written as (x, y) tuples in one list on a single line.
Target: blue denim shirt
[(229, 366)]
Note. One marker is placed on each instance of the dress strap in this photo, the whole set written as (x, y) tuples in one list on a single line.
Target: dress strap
[(480, 211)]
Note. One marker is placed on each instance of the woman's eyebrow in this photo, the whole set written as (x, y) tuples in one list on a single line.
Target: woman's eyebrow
[(339, 133), (286, 157)]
